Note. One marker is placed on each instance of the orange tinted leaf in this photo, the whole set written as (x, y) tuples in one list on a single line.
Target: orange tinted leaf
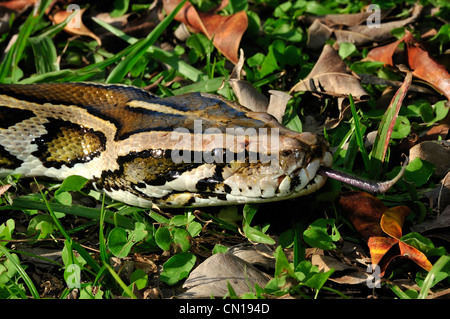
[(393, 219), (364, 211), (384, 53), (379, 246), (425, 68), (415, 255), (226, 31)]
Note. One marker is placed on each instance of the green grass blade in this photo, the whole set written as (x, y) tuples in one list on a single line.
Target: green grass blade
[(381, 144), (22, 272), (429, 279), (92, 213), (45, 56), (158, 54), (120, 282), (359, 133), (210, 85), (121, 70), (8, 68)]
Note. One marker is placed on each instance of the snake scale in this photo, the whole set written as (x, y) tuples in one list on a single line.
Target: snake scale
[(191, 150)]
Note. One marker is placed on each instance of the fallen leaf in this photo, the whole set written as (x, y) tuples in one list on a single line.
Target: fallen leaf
[(379, 246), (212, 276), (382, 227), (415, 255), (435, 152), (425, 68), (362, 34), (331, 76), (75, 26), (392, 220), (422, 65), (353, 28), (245, 92), (225, 31), (4, 188)]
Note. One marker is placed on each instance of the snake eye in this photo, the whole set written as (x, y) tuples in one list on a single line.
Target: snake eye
[(286, 153)]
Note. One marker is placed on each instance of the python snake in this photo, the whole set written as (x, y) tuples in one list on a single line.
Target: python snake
[(191, 150)]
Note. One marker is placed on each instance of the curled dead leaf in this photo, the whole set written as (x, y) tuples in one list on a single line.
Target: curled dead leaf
[(392, 220), (354, 28), (423, 66), (331, 76), (75, 26), (364, 211)]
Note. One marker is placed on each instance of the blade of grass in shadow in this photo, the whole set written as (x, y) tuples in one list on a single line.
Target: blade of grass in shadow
[(21, 272), (83, 253), (359, 134), (101, 235), (121, 70), (116, 277), (429, 279), (158, 54), (210, 85), (45, 56), (8, 67), (92, 213), (381, 144)]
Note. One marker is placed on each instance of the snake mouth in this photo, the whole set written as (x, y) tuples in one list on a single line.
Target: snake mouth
[(304, 180)]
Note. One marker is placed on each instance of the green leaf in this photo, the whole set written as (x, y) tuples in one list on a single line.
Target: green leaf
[(402, 128), (177, 268), (194, 228), (258, 236), (64, 198), (219, 249), (120, 8), (139, 278), (6, 230), (72, 183), (163, 238), (318, 280), (418, 171), (346, 49), (118, 242), (43, 225), (418, 241), (321, 234), (181, 238)]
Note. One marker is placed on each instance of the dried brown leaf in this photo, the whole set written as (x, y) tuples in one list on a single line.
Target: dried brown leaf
[(331, 76), (75, 26)]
